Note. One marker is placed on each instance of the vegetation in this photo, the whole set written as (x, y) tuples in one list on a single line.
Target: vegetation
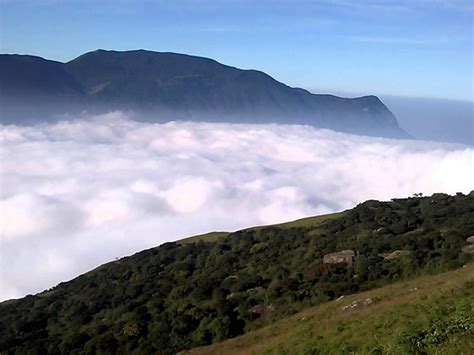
[(207, 237), (182, 295), (303, 222), (426, 315)]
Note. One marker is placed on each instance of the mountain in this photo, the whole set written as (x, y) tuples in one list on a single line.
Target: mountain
[(160, 87), (209, 288), (33, 89)]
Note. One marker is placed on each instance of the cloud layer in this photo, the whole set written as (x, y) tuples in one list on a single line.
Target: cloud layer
[(80, 193)]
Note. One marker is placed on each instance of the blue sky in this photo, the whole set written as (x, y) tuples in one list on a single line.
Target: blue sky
[(421, 48)]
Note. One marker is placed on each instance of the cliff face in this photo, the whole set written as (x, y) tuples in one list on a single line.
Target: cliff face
[(161, 87)]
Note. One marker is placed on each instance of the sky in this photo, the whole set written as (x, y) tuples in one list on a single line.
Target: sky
[(79, 193), (416, 48)]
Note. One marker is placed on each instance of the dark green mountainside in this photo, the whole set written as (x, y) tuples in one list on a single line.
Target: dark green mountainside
[(182, 295), (160, 87)]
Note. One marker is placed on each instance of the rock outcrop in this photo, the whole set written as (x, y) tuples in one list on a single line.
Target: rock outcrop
[(261, 311), (341, 257), (469, 248)]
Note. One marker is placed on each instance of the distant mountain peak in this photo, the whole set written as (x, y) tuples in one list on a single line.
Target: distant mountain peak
[(163, 86)]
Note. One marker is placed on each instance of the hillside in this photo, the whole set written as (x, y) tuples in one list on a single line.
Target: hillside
[(183, 295), (430, 314), (160, 87)]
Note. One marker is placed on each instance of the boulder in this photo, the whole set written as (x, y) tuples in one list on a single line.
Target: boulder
[(341, 257), (261, 311), (470, 239), (468, 249), (340, 298)]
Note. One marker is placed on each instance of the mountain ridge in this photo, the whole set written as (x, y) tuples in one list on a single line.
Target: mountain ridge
[(163, 86)]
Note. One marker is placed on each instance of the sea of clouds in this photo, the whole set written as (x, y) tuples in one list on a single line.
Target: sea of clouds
[(82, 192)]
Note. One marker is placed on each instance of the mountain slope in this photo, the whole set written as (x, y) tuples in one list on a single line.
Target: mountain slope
[(429, 315), (36, 75), (167, 86), (182, 295), (31, 86)]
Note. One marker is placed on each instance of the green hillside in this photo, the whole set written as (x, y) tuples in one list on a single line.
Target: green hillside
[(303, 222), (433, 315), (207, 237), (183, 295)]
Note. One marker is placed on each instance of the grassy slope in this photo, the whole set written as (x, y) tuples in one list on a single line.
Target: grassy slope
[(383, 327), (207, 237), (303, 222)]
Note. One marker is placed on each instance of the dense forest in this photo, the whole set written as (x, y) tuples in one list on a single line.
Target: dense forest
[(182, 295)]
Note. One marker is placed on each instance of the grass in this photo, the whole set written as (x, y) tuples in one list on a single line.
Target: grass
[(303, 222), (426, 315), (207, 237)]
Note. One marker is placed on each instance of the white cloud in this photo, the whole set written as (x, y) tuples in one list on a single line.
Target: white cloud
[(77, 194), (188, 194)]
